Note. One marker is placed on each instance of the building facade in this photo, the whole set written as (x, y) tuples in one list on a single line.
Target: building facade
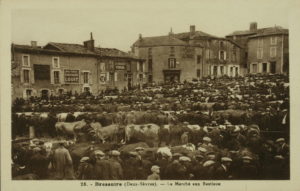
[(58, 67), (187, 56), (267, 49)]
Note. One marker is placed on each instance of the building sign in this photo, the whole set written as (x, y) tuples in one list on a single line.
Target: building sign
[(71, 76), (120, 67), (41, 72)]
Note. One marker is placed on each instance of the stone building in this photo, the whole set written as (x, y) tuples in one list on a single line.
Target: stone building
[(187, 56), (60, 67), (267, 49)]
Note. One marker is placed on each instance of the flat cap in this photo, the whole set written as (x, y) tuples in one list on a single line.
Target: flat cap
[(184, 158), (208, 163), (115, 153), (226, 159), (280, 140), (207, 139), (84, 159)]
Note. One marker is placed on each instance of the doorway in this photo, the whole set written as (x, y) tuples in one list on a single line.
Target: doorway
[(273, 67)]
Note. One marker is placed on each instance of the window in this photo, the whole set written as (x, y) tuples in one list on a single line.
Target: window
[(56, 77), (234, 54), (207, 54), (259, 53), (172, 50), (141, 76), (273, 52), (150, 78), (150, 65), (25, 60), (215, 70), (128, 66), (273, 40), (111, 65), (60, 91), (222, 55), (236, 71), (254, 68), (85, 77), (86, 89), (231, 71), (28, 93), (149, 51), (264, 67), (102, 66), (55, 62), (222, 44), (199, 59), (26, 76), (141, 67), (222, 70), (198, 73), (172, 63), (260, 42)]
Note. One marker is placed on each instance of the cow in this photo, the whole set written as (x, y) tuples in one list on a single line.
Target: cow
[(107, 132), (70, 128), (61, 117), (146, 131)]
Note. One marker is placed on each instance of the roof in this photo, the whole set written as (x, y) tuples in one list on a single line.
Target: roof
[(197, 35), (78, 48), (75, 49), (270, 31), (160, 41), (178, 39), (261, 32)]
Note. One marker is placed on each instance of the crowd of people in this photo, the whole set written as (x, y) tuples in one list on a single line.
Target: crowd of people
[(241, 132)]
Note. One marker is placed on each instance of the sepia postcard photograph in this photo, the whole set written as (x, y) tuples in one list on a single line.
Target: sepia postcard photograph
[(108, 95)]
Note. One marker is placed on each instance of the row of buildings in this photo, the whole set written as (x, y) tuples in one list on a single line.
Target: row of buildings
[(60, 67)]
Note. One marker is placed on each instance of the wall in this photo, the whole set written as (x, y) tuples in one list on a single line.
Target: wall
[(252, 53), (82, 63)]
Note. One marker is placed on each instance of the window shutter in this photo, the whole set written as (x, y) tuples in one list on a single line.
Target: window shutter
[(116, 76), (24, 94), (61, 77), (90, 78), (143, 67), (219, 55), (137, 66), (31, 75), (52, 77), (225, 55), (107, 76), (22, 76), (82, 78)]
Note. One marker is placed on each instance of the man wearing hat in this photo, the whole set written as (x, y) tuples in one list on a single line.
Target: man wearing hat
[(116, 171), (282, 148), (63, 163), (155, 173), (247, 170), (85, 169), (223, 170), (101, 167), (38, 163)]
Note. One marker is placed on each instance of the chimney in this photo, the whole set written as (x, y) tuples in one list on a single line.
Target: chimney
[(140, 37), (192, 29), (89, 44), (171, 32), (34, 44), (253, 26)]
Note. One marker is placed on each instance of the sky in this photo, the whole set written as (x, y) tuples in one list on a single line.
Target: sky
[(117, 24)]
